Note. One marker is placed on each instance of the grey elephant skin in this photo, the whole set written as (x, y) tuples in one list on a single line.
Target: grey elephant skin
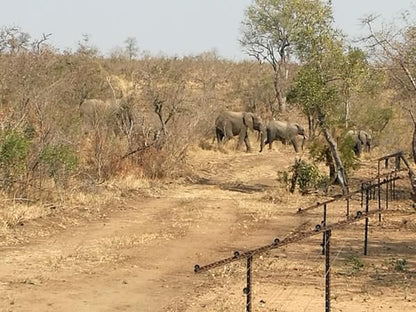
[(229, 124), (286, 132), (98, 114), (362, 141)]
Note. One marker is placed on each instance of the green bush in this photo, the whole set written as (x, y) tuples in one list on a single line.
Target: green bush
[(400, 265), (14, 149), (307, 177), (320, 152), (355, 264), (58, 161), (346, 152)]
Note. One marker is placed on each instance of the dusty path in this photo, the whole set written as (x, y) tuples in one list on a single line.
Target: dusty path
[(141, 256)]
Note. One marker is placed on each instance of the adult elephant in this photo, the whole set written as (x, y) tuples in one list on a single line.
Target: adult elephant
[(361, 141), (286, 132), (98, 115), (229, 124)]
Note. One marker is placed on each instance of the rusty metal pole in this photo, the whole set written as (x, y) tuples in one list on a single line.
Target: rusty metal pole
[(387, 193), (327, 271), (247, 290), (379, 192), (367, 191), (324, 225), (391, 187), (348, 207), (398, 164)]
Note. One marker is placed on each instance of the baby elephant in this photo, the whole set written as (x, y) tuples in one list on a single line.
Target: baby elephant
[(285, 132), (361, 141)]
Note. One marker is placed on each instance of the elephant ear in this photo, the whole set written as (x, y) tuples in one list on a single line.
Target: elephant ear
[(362, 136), (248, 119)]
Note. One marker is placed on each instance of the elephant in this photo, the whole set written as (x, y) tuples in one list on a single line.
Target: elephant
[(285, 132), (229, 124), (112, 114), (362, 141)]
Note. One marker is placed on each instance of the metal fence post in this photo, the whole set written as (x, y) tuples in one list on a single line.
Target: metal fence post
[(391, 187), (379, 192), (327, 271), (348, 206), (324, 225), (247, 290), (398, 158), (367, 191)]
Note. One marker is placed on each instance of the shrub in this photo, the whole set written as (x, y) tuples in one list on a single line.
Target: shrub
[(346, 151), (58, 161), (400, 265), (320, 152), (14, 148), (355, 263), (306, 176)]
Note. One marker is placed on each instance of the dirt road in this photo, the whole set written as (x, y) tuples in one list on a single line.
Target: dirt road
[(140, 256)]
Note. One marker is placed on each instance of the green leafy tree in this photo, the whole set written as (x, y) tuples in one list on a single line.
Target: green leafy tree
[(313, 91), (356, 75), (275, 30)]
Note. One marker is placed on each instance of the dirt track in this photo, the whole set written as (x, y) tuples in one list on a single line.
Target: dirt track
[(141, 256)]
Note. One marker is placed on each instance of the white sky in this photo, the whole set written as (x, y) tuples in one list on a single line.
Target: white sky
[(171, 27)]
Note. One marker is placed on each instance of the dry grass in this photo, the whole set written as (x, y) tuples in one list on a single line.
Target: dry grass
[(14, 213), (72, 207)]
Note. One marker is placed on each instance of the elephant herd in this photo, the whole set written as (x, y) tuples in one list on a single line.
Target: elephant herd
[(230, 124)]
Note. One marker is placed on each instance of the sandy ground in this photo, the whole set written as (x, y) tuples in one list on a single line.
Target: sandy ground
[(139, 256)]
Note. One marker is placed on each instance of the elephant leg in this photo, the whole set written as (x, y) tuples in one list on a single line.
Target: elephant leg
[(219, 134), (357, 149), (303, 142), (247, 143), (243, 136)]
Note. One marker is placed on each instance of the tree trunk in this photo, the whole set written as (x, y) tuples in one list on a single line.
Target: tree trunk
[(329, 161), (414, 142), (340, 172), (280, 97), (347, 114)]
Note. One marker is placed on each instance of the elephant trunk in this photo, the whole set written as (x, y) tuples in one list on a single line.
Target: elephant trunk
[(303, 140)]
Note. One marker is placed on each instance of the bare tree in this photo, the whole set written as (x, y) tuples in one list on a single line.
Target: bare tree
[(393, 49)]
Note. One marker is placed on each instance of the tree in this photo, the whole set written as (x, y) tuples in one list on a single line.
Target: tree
[(394, 49), (86, 48), (313, 91), (273, 30), (131, 47), (356, 75), (13, 40), (316, 89)]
